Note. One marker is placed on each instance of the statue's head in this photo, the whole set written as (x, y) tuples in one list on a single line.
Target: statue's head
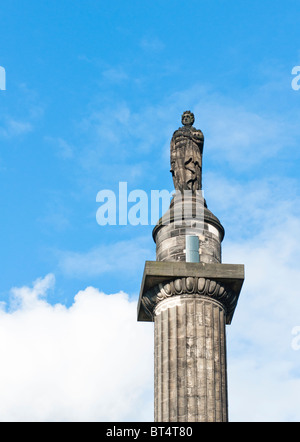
[(187, 118)]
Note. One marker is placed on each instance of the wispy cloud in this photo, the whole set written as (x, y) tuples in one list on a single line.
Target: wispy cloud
[(63, 148), (153, 44), (55, 215), (22, 119), (235, 131), (115, 75), (11, 127), (118, 258), (248, 207)]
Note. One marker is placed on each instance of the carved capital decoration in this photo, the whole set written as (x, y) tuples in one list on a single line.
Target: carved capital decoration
[(189, 286)]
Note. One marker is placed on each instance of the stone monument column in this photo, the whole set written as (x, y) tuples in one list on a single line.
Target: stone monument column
[(190, 360), (190, 295)]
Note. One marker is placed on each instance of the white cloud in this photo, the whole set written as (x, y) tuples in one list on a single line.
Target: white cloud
[(262, 393), (263, 366), (89, 362)]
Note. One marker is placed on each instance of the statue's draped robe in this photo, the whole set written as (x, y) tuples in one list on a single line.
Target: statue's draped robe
[(186, 158)]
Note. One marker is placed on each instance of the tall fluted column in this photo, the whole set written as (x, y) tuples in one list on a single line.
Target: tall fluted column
[(190, 360), (190, 304)]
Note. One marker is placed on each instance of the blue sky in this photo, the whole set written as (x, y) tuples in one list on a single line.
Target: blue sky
[(94, 91)]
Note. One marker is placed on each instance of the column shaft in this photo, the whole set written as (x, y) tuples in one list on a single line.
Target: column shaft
[(190, 360)]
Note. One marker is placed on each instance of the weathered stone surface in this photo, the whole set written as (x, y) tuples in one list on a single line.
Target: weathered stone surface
[(190, 360), (188, 215), (165, 279)]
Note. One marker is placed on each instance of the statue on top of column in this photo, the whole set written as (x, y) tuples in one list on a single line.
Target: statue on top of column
[(186, 155)]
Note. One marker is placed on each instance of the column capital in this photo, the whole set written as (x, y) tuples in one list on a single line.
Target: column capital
[(161, 280)]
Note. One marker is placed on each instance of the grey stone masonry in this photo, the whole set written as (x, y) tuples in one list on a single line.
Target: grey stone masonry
[(162, 280), (190, 360), (190, 303), (188, 215)]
